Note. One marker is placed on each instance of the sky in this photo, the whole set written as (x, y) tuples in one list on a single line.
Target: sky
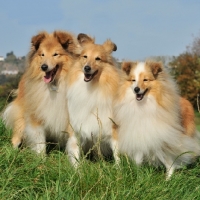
[(139, 28)]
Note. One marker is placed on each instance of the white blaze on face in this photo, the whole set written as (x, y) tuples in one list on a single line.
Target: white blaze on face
[(140, 68)]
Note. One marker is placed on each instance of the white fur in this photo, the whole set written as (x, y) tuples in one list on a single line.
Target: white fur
[(73, 150), (9, 115), (140, 68), (151, 133), (50, 107), (35, 138), (90, 111)]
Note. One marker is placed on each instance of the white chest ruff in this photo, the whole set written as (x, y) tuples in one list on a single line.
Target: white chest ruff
[(145, 128), (89, 111), (51, 109)]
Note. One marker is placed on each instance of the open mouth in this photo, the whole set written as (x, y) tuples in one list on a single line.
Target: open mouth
[(139, 97), (89, 77), (49, 76)]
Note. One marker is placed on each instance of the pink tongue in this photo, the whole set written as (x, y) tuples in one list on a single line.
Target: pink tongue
[(47, 78)]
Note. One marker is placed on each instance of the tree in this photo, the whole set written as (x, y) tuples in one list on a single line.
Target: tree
[(186, 70), (164, 59), (10, 57), (194, 48)]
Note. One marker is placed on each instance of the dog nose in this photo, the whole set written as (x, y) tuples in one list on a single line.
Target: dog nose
[(44, 67), (136, 89), (87, 68)]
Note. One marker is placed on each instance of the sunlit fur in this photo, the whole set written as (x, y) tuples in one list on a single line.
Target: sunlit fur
[(39, 112), (187, 117), (151, 129), (90, 103)]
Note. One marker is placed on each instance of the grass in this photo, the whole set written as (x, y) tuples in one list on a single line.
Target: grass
[(25, 175), (197, 120)]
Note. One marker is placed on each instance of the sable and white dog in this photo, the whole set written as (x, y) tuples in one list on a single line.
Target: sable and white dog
[(39, 113), (92, 85), (148, 113)]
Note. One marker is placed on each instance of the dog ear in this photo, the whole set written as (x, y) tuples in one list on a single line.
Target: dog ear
[(109, 46), (85, 39), (156, 67), (66, 40), (126, 67), (36, 40)]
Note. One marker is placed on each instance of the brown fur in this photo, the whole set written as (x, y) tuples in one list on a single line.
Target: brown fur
[(60, 49), (187, 113), (107, 75), (152, 70), (104, 83), (186, 108), (152, 118)]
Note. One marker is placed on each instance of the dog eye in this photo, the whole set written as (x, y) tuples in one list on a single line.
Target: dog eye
[(133, 80), (97, 58), (145, 80), (85, 56), (55, 54), (42, 54)]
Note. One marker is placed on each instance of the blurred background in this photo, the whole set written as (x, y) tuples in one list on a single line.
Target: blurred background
[(167, 31)]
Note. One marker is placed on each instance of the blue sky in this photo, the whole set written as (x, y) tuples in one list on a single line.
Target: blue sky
[(139, 28)]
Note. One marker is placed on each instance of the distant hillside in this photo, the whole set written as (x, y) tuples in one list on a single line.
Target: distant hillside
[(12, 63), (11, 68)]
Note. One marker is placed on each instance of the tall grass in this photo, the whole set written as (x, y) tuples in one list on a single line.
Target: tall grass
[(197, 120), (24, 175)]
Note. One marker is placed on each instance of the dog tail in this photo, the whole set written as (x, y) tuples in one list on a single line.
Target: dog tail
[(197, 135), (10, 115), (190, 149)]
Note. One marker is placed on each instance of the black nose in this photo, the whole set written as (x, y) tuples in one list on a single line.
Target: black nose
[(136, 89), (87, 68), (44, 67)]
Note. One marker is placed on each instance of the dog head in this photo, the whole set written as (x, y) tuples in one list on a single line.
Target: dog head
[(94, 57), (142, 76), (51, 51)]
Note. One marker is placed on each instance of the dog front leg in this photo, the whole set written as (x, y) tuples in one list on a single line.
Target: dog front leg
[(72, 148), (170, 166), (114, 144), (18, 132), (35, 138)]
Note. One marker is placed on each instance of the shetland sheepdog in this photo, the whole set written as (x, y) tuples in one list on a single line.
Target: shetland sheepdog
[(147, 112), (39, 113), (91, 88)]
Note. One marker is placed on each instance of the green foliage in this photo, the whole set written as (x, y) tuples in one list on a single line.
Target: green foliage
[(8, 83), (7, 89), (197, 120), (186, 70), (25, 175)]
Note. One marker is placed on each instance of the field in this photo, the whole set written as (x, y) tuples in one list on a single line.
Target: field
[(25, 175), (197, 120)]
